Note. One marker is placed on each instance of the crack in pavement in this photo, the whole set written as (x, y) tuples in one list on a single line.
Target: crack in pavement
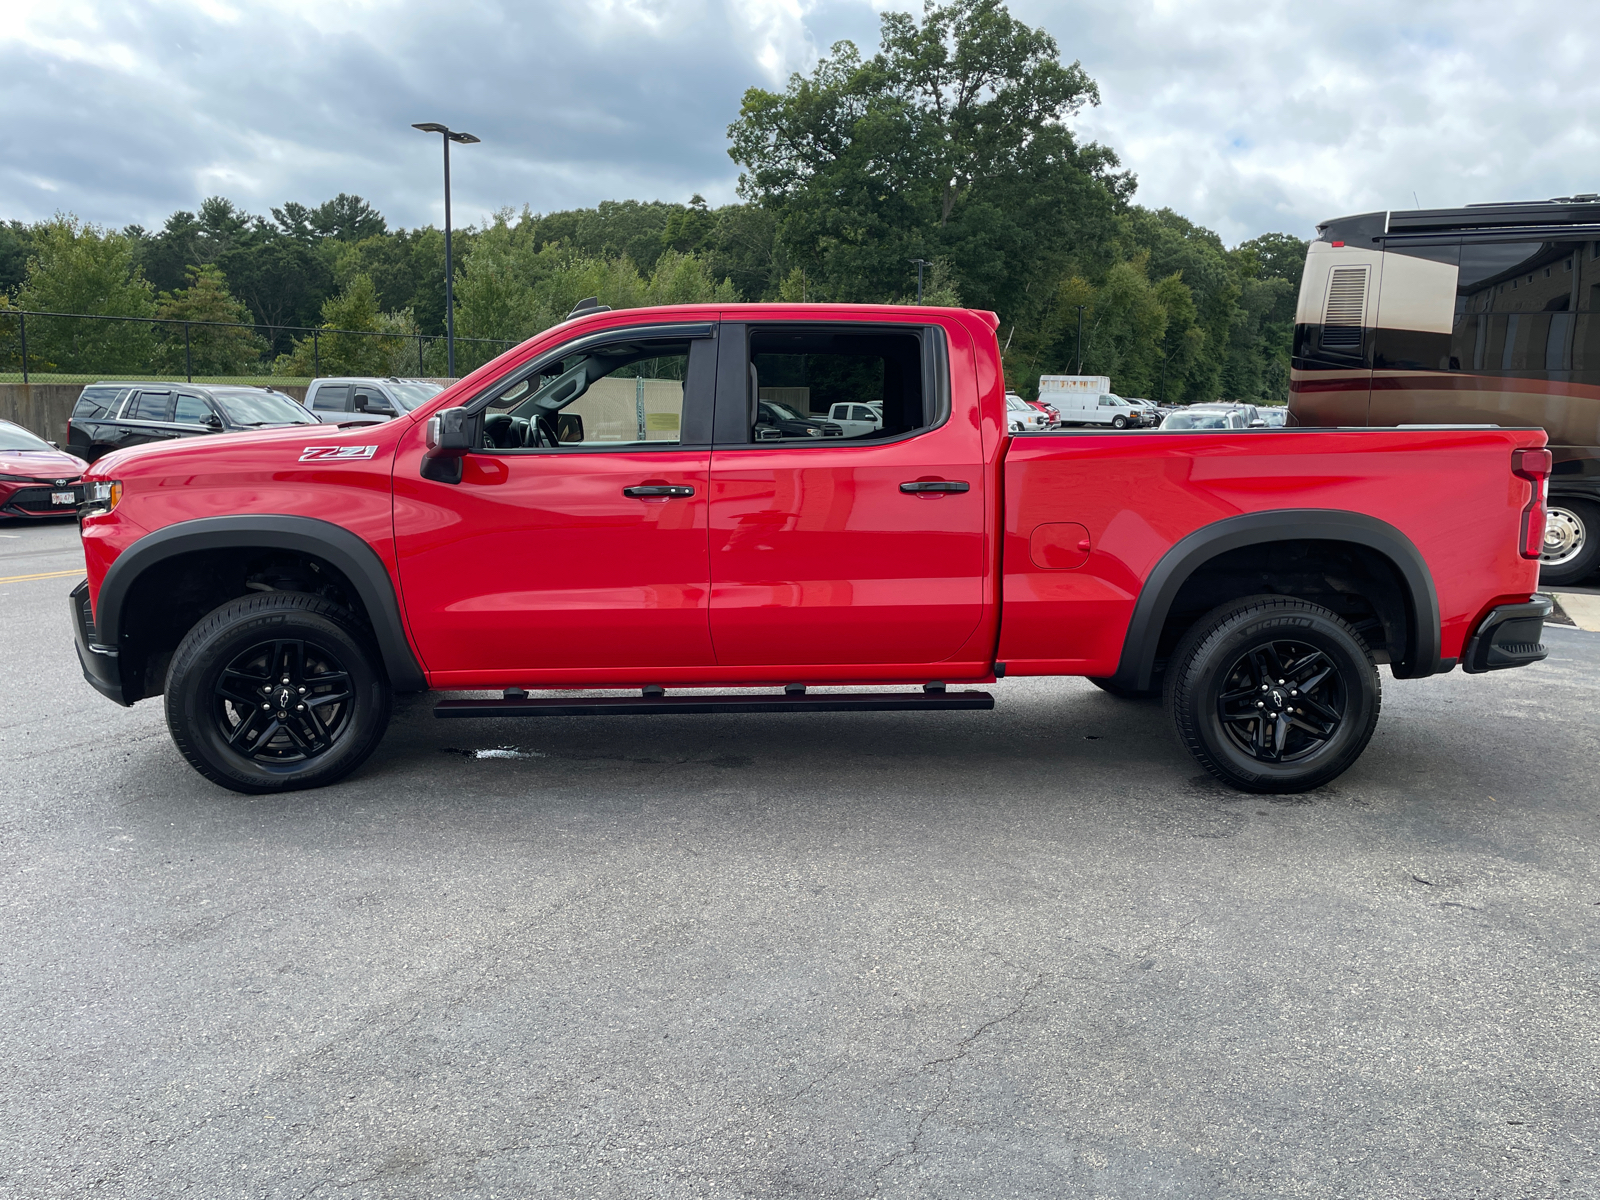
[(949, 1060)]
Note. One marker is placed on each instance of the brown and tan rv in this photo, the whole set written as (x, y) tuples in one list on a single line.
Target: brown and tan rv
[(1488, 314)]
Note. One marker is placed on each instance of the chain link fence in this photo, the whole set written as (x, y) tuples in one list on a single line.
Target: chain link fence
[(46, 347)]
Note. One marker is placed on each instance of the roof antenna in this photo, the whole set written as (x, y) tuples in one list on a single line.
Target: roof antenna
[(1414, 197)]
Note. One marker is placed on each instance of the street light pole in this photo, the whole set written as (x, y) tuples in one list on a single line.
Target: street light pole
[(1080, 339), (466, 139), (921, 262)]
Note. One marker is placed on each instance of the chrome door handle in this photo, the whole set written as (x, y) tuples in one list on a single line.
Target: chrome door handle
[(936, 485), (657, 489)]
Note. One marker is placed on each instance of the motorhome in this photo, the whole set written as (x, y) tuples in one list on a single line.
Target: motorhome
[(1488, 314)]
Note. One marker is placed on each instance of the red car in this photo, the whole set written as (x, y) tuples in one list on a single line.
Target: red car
[(1051, 412), (36, 479), (601, 508)]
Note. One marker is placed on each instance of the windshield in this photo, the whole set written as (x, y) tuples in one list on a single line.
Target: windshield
[(412, 392), (1016, 402), (1200, 420), (262, 408), (783, 411), (15, 437)]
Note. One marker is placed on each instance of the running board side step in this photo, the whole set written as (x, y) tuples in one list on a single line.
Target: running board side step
[(633, 706)]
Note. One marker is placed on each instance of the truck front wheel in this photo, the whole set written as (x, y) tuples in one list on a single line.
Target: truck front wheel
[(276, 692), (1272, 694)]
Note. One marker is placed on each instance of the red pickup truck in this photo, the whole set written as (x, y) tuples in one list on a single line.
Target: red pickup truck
[(603, 508)]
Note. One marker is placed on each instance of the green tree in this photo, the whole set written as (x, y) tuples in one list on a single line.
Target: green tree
[(355, 338), (220, 340), (77, 267), (948, 143), (16, 244), (690, 230)]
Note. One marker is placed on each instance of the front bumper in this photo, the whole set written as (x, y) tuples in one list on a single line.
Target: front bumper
[(1508, 637), (101, 665), (38, 500)]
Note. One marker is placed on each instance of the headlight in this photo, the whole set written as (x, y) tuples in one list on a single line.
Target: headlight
[(17, 478), (813, 431), (100, 497)]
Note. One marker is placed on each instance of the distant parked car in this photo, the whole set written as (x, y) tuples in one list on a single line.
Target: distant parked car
[(1250, 413), (1197, 417), (775, 420), (113, 416), (1052, 414), (1022, 417), (1149, 412), (1275, 416), (37, 479), (857, 420), (354, 399)]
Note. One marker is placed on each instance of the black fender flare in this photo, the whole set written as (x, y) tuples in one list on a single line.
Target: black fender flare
[(1136, 668), (347, 552)]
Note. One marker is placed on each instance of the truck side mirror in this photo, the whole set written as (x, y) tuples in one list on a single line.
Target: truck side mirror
[(449, 436)]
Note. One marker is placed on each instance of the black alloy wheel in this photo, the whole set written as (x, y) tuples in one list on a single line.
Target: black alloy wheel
[(1285, 701), (1273, 694), (276, 692), (282, 701)]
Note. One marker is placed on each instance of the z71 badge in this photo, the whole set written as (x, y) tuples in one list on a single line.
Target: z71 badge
[(312, 453)]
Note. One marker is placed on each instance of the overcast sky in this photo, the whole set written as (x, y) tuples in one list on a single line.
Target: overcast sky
[(1245, 115)]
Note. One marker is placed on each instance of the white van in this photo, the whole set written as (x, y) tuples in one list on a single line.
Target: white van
[(1078, 408)]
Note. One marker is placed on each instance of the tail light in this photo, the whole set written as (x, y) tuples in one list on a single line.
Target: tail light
[(1535, 467)]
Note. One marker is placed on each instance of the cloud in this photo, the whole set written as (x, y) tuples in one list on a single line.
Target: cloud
[(1244, 116), (1274, 114)]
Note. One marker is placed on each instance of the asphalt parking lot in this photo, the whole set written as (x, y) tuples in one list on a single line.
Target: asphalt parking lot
[(1025, 953)]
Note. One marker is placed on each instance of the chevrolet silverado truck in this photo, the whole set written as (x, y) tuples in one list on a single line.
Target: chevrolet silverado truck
[(594, 511)]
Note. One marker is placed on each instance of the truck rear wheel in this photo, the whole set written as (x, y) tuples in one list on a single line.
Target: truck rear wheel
[(277, 692), (1272, 694), (1571, 542)]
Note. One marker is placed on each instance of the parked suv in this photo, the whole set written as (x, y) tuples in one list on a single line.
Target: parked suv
[(112, 416), (367, 398)]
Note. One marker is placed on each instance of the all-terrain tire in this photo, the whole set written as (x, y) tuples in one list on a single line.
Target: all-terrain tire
[(1272, 694), (277, 692)]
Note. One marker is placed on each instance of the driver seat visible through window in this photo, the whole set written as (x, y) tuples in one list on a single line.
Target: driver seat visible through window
[(614, 396)]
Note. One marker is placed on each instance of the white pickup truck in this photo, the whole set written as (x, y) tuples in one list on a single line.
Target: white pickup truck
[(857, 420)]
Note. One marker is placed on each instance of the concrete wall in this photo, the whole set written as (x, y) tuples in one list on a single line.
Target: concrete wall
[(45, 407)]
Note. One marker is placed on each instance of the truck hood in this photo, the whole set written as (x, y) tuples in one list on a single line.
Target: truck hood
[(164, 455)]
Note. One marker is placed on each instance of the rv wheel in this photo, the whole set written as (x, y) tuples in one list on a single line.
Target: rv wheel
[(1571, 542)]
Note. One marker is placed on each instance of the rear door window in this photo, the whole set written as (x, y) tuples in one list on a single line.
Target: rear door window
[(150, 406), (799, 375), (332, 397)]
